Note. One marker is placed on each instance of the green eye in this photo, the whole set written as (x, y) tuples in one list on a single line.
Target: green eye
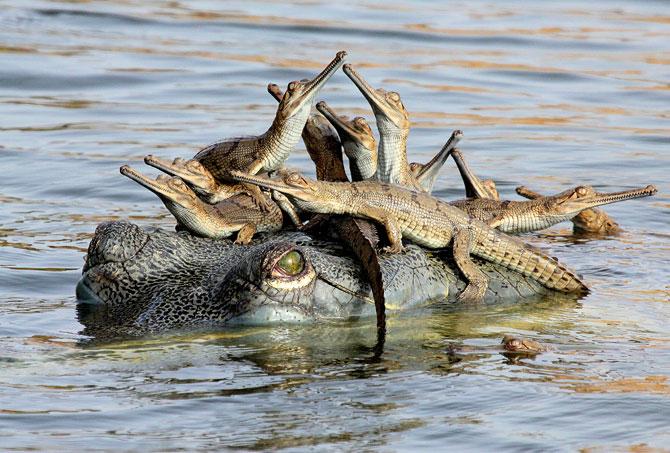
[(291, 264)]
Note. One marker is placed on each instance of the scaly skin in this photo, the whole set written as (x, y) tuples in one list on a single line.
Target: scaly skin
[(360, 236), (594, 220), (393, 126), (263, 153), (136, 281), (358, 142), (321, 142), (236, 214), (521, 345), (533, 215), (427, 221)]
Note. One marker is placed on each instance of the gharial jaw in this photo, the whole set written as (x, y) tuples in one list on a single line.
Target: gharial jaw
[(426, 174), (191, 212), (198, 177), (357, 140), (190, 171), (573, 201), (169, 189), (356, 131), (177, 197), (386, 105), (315, 196), (300, 94)]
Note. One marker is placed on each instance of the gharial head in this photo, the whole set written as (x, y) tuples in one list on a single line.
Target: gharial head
[(571, 202), (190, 171), (171, 190), (415, 168), (387, 105), (355, 133), (308, 194), (595, 221), (136, 280), (300, 94)]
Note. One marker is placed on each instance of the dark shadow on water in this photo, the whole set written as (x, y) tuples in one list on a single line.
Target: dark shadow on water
[(351, 350)]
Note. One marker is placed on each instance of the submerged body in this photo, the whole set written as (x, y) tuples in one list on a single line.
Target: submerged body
[(136, 280)]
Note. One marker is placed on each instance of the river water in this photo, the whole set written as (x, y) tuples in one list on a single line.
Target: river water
[(549, 94)]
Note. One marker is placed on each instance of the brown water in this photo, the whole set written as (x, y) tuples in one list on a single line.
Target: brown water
[(549, 94)]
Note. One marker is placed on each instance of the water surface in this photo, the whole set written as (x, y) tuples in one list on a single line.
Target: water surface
[(549, 95)]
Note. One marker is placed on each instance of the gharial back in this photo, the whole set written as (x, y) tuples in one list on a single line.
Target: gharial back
[(483, 209), (432, 223), (405, 203), (243, 207), (231, 154)]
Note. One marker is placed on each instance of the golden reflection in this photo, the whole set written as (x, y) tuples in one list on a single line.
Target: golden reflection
[(476, 119), (657, 60), (636, 448), (16, 49), (647, 384), (459, 88)]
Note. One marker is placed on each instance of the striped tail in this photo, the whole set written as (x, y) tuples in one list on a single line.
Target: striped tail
[(501, 249)]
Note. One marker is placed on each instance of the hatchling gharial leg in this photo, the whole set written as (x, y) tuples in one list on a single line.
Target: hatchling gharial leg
[(393, 232), (245, 234), (220, 192), (287, 207), (261, 200), (477, 280)]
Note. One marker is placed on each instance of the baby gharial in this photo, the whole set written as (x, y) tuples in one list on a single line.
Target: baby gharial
[(235, 214)]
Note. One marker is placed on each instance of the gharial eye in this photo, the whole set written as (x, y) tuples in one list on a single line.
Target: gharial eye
[(395, 97), (360, 122), (582, 191), (293, 177), (177, 182), (292, 86), (291, 264)]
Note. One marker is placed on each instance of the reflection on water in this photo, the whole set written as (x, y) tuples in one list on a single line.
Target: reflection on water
[(549, 95)]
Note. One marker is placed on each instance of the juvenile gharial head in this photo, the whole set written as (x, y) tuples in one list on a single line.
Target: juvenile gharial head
[(190, 171), (595, 221), (573, 201), (521, 345), (386, 105), (314, 196), (356, 134), (299, 94), (415, 168), (171, 190), (491, 189)]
